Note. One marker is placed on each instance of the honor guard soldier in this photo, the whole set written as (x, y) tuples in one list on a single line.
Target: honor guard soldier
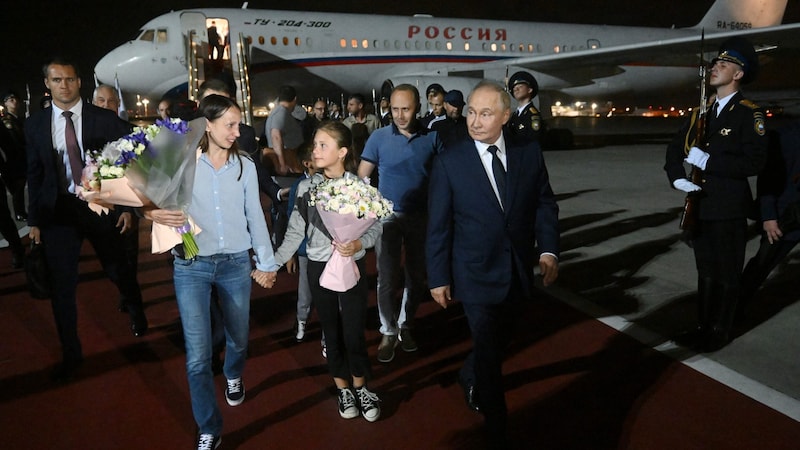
[(733, 148), (525, 124)]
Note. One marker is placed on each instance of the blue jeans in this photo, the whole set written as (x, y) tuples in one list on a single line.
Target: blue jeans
[(230, 273)]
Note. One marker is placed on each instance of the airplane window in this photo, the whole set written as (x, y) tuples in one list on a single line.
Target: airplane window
[(285, 40), (148, 35), (483, 46), (273, 40), (466, 46), (503, 47), (530, 48), (297, 42), (365, 44), (417, 45), (556, 49), (438, 45), (162, 36), (427, 45), (449, 45), (354, 43), (308, 42), (494, 47), (397, 45), (261, 40), (387, 44), (342, 43), (408, 45), (376, 44)]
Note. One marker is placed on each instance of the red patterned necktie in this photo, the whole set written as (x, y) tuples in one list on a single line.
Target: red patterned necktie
[(73, 150)]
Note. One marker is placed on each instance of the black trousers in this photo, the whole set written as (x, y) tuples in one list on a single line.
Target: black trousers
[(343, 316), (491, 326), (8, 227), (719, 249), (759, 267), (62, 239)]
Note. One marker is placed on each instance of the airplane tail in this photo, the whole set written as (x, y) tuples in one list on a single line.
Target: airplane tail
[(730, 15)]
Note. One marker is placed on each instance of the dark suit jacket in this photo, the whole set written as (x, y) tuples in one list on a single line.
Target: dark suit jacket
[(473, 244), (99, 126), (779, 182), (737, 144)]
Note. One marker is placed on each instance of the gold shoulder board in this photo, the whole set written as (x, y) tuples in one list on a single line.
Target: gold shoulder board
[(748, 103)]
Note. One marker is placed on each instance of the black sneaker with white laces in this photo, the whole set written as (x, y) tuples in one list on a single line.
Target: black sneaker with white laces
[(347, 404), (234, 393), (369, 404), (208, 441)]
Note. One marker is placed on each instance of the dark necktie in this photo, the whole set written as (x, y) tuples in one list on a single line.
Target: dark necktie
[(499, 173), (713, 115), (73, 150)]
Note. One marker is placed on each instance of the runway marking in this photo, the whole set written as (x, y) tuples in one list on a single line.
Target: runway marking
[(757, 391)]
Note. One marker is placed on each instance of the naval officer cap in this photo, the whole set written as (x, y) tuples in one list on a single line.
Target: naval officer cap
[(739, 51), (523, 77)]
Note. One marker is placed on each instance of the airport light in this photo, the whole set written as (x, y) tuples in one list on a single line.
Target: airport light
[(145, 102)]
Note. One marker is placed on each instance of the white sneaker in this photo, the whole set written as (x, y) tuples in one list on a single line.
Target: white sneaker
[(301, 331)]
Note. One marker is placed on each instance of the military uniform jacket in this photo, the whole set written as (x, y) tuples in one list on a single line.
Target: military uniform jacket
[(526, 127), (737, 144)]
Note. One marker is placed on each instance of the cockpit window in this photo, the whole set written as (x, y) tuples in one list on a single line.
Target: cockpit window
[(147, 35), (161, 37)]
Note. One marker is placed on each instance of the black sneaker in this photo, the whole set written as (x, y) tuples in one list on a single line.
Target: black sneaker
[(347, 404), (208, 442), (369, 404), (234, 393)]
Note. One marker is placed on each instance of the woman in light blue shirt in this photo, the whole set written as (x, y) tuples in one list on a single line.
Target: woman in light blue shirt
[(226, 207)]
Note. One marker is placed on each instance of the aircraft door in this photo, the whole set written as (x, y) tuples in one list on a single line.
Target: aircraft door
[(196, 49)]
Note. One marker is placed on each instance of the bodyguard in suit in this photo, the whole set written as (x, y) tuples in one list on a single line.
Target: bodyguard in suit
[(58, 138), (778, 188), (735, 148), (492, 218)]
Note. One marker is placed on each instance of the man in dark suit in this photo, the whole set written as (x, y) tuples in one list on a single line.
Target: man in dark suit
[(778, 191), (734, 148), (58, 138), (492, 217)]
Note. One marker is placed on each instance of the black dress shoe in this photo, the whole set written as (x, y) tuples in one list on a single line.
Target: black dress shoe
[(470, 394), (18, 259), (693, 339), (65, 370), (138, 322)]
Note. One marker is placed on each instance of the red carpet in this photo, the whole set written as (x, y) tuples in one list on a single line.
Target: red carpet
[(572, 382)]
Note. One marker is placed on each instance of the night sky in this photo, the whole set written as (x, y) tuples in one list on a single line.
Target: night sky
[(86, 30)]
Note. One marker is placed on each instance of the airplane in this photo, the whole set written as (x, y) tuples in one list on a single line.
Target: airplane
[(326, 55)]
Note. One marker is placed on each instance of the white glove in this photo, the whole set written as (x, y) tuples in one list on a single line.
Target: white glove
[(697, 158), (685, 185)]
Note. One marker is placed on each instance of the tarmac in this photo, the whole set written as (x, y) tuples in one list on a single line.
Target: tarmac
[(624, 263)]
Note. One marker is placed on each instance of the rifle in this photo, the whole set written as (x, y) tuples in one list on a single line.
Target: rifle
[(689, 215)]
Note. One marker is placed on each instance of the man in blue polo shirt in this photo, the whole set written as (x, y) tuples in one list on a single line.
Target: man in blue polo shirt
[(403, 153)]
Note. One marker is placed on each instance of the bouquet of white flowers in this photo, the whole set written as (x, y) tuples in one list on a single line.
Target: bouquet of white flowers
[(348, 207), (154, 164)]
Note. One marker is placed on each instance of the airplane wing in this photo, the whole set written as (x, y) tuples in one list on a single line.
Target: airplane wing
[(579, 68)]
